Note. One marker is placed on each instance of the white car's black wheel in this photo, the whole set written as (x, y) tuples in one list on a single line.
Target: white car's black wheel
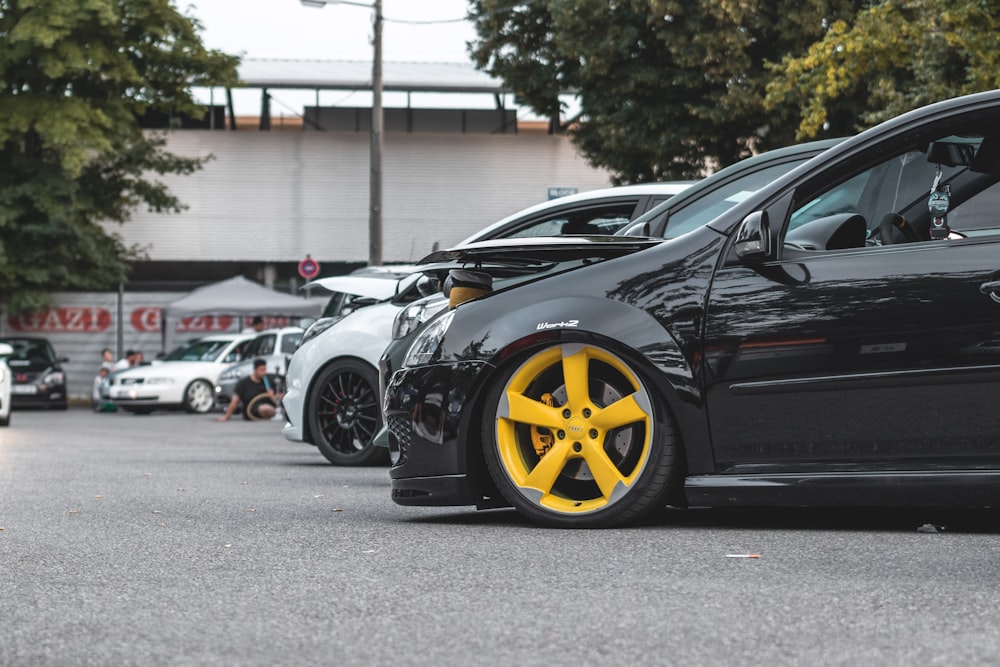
[(573, 437), (199, 397), (345, 414), (5, 421)]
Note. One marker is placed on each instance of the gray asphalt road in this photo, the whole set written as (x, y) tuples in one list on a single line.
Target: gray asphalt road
[(174, 540)]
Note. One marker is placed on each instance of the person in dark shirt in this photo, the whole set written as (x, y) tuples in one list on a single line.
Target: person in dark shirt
[(255, 394)]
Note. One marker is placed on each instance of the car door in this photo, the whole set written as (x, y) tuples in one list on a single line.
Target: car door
[(849, 351)]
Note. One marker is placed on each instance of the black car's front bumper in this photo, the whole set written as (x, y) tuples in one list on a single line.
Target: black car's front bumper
[(428, 411), (37, 396)]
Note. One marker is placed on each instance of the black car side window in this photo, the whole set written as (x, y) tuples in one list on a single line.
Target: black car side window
[(894, 201)]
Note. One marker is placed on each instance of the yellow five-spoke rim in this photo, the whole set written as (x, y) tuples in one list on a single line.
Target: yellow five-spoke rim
[(580, 429)]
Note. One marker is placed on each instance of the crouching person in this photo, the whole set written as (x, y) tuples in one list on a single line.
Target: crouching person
[(255, 394)]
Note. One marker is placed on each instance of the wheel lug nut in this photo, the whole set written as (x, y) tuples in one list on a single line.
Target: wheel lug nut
[(566, 413), (586, 413), (593, 433), (561, 434), (577, 447)]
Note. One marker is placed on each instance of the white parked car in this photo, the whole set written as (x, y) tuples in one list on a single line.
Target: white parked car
[(5, 381), (184, 379), (332, 399)]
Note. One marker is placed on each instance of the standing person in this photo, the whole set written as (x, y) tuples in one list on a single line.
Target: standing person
[(255, 393), (107, 358)]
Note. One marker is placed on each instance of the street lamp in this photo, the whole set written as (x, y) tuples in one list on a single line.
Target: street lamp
[(375, 161)]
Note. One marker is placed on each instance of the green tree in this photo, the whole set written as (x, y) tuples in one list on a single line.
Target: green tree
[(891, 57), (667, 88), (75, 76)]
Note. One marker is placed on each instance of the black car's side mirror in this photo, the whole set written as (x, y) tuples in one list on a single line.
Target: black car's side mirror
[(753, 238)]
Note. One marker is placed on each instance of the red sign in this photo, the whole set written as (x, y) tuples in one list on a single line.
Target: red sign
[(308, 268), (147, 319), (68, 319), (205, 324)]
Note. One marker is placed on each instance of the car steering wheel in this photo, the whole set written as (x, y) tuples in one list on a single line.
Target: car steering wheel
[(895, 221)]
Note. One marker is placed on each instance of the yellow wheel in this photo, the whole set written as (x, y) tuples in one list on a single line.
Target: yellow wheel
[(576, 439)]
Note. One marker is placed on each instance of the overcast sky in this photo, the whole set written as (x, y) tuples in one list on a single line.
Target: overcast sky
[(287, 29)]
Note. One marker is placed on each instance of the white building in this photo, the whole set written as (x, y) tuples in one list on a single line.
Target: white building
[(283, 186)]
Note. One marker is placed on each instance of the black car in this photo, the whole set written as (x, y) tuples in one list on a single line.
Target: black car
[(38, 376), (834, 339)]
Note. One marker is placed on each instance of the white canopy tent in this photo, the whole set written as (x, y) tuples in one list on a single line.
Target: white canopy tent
[(236, 296)]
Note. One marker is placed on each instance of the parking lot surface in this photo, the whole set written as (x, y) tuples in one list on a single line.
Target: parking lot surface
[(171, 539)]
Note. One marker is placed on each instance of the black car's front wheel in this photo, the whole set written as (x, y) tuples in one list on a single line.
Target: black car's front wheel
[(345, 414), (574, 438)]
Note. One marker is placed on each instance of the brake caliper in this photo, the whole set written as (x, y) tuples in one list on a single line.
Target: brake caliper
[(541, 437)]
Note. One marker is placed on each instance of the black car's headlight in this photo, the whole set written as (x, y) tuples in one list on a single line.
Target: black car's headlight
[(414, 315), (428, 341), (56, 377)]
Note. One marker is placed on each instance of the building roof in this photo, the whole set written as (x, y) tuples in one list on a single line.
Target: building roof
[(357, 75)]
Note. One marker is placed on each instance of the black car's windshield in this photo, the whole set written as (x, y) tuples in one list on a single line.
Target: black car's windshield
[(687, 213), (28, 351), (200, 350)]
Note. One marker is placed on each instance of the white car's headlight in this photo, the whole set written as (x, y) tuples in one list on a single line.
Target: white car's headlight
[(427, 343), (159, 381), (318, 327), (415, 314)]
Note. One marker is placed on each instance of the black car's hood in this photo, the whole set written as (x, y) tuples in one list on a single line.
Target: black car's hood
[(536, 251)]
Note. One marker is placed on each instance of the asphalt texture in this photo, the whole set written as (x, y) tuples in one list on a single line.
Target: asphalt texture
[(171, 539)]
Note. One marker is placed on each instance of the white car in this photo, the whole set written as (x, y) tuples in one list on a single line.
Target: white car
[(331, 387), (184, 379), (5, 381)]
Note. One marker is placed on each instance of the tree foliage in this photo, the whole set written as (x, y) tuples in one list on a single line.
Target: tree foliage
[(74, 78), (891, 57), (666, 87)]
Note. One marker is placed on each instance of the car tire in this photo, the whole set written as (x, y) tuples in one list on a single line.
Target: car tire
[(5, 421), (595, 450), (345, 414), (199, 397)]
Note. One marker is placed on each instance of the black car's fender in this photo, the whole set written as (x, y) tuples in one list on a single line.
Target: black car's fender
[(620, 328)]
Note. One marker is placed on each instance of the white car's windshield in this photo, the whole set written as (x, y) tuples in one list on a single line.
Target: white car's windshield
[(200, 350)]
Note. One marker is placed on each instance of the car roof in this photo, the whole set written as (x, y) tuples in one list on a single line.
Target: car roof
[(665, 188), (279, 330)]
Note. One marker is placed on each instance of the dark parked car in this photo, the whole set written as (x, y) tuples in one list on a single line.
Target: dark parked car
[(833, 339), (38, 376)]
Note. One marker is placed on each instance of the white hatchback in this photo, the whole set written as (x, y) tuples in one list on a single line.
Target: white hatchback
[(184, 379)]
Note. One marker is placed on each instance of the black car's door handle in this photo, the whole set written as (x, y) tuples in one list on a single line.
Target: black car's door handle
[(992, 289)]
